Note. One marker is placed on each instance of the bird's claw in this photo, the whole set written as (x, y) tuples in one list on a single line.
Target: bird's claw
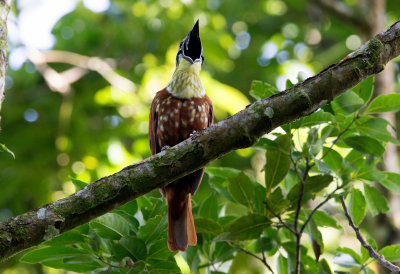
[(164, 148), (193, 133)]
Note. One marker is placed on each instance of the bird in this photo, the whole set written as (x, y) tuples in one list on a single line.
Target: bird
[(176, 112)]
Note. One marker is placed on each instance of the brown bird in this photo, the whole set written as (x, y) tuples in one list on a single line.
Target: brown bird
[(178, 110)]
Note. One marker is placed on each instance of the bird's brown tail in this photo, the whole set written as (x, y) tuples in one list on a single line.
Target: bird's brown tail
[(181, 230)]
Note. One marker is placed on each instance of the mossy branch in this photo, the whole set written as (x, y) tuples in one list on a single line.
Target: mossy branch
[(238, 131)]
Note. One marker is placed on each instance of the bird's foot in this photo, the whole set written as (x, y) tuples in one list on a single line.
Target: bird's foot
[(164, 148), (193, 133)]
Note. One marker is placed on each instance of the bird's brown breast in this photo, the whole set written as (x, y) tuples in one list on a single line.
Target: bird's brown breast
[(177, 118)]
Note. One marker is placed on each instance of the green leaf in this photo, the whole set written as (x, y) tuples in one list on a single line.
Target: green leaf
[(356, 206), (391, 182), (69, 237), (376, 128), (324, 267), (391, 253), (365, 144), (242, 189), (51, 253), (370, 173), (385, 103), (282, 265), (365, 88), (162, 267), (260, 90), (4, 148), (208, 226), (159, 249), (78, 184), (316, 237), (133, 222), (350, 252), (76, 264), (377, 203), (245, 228), (110, 226), (276, 203), (347, 103), (155, 228), (209, 208), (130, 207), (333, 159), (314, 184), (321, 218), (136, 248), (267, 144), (318, 117), (224, 172), (278, 163), (154, 207)]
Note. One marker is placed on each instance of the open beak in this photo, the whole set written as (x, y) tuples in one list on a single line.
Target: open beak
[(192, 47)]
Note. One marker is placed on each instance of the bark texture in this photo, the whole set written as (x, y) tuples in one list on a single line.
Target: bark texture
[(238, 131), (4, 9)]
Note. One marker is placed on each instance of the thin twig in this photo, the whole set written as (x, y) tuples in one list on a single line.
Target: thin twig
[(263, 260), (318, 207), (282, 222), (340, 135), (372, 253), (303, 179)]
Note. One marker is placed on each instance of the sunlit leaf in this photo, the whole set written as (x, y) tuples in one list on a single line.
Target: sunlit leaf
[(376, 202), (364, 89), (347, 103), (52, 253), (278, 163), (110, 226), (365, 144), (356, 206), (260, 90), (78, 184), (385, 103), (391, 181), (391, 253), (6, 149), (223, 171)]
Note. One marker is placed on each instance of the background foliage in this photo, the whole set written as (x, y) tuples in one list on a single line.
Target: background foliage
[(61, 140)]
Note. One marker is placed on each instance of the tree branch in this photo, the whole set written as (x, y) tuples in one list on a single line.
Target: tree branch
[(346, 13), (238, 131), (372, 253)]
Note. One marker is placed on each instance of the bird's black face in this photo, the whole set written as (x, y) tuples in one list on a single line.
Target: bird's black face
[(190, 48)]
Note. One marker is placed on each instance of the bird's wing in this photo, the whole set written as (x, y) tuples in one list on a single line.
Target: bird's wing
[(153, 125)]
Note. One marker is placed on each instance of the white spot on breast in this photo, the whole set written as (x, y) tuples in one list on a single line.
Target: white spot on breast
[(176, 110), (161, 128), (184, 124), (176, 124), (191, 102)]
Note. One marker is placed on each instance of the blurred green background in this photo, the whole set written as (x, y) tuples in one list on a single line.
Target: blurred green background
[(66, 120)]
